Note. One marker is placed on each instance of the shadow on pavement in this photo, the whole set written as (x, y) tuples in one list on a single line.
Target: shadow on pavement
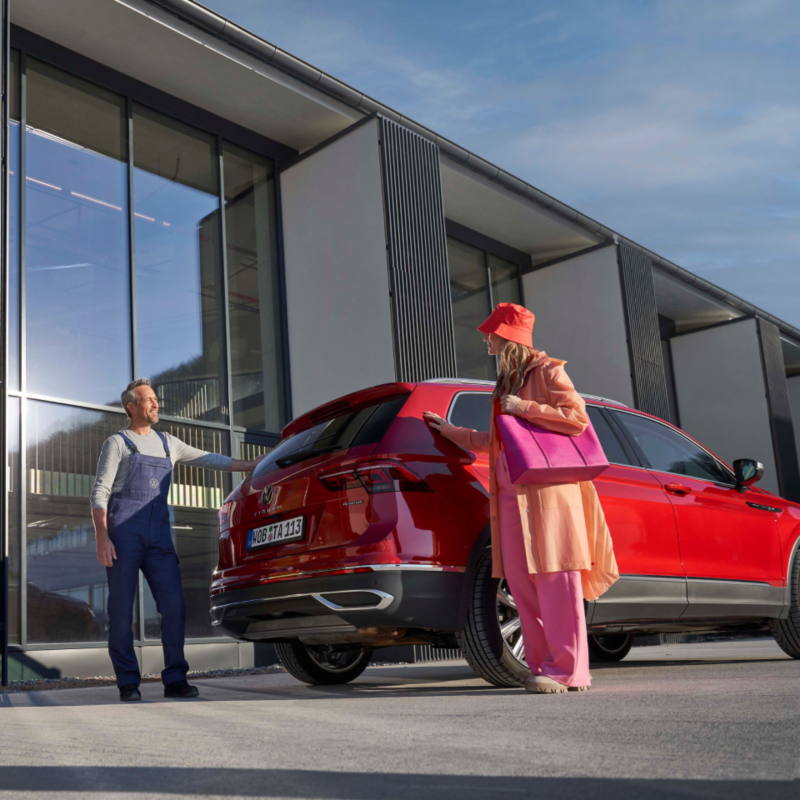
[(363, 786)]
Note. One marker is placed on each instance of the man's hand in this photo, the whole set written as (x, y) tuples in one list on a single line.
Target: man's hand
[(510, 404), (105, 547), (105, 551)]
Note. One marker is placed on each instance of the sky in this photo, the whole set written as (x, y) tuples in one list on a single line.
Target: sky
[(674, 122)]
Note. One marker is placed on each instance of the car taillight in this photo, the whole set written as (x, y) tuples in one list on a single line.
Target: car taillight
[(377, 477), (223, 516)]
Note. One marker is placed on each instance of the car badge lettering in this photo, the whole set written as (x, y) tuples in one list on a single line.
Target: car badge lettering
[(267, 495)]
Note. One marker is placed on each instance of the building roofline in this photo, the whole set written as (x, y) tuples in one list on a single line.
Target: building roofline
[(224, 29)]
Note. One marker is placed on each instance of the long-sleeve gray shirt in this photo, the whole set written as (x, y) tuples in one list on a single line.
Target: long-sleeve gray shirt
[(115, 461)]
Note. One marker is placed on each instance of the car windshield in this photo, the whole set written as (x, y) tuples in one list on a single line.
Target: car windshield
[(364, 426)]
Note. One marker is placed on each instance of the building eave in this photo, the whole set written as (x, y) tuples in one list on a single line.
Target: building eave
[(224, 29)]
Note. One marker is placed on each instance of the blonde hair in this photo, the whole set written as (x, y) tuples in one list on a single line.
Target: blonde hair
[(512, 363)]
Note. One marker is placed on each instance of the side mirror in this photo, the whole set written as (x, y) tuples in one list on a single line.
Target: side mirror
[(747, 472)]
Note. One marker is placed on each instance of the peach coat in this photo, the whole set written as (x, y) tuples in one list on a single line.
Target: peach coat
[(563, 524)]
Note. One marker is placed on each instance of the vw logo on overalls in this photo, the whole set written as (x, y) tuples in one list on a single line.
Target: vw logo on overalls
[(267, 495), (154, 483)]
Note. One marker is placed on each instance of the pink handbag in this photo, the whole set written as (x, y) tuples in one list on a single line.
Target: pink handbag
[(536, 455)]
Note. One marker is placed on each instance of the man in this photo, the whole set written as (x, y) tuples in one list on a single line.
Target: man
[(131, 522)]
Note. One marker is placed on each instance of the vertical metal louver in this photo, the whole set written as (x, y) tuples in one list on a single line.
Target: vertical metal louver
[(644, 340), (780, 410), (417, 250)]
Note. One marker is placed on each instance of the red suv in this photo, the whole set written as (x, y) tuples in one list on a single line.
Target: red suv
[(363, 528)]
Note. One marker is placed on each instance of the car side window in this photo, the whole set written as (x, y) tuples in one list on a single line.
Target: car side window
[(471, 410), (667, 451), (608, 439)]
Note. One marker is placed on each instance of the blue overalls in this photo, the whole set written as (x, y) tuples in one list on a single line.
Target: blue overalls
[(138, 525)]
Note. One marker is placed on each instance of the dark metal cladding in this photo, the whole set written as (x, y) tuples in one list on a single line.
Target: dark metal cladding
[(780, 411), (644, 340), (417, 255)]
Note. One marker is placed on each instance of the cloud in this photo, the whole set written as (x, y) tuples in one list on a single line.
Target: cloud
[(676, 122)]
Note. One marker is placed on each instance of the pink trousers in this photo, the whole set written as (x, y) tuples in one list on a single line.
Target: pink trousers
[(550, 604)]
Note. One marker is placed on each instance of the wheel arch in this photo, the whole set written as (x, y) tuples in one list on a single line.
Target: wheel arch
[(481, 543), (794, 554)]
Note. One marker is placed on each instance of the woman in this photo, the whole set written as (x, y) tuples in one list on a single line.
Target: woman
[(550, 542)]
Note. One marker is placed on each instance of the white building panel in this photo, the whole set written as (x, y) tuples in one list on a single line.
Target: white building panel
[(337, 283), (722, 402), (580, 318)]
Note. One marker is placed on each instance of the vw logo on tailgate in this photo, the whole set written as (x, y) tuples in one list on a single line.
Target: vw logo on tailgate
[(267, 494)]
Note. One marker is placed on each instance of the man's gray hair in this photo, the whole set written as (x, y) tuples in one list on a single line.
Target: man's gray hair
[(129, 395)]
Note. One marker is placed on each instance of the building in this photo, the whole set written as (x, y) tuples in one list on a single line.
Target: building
[(191, 203)]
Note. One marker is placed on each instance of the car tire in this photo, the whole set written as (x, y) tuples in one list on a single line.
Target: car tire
[(322, 665), (610, 648), (481, 640), (787, 631)]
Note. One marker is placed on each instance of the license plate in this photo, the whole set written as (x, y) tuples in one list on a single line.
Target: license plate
[(287, 530)]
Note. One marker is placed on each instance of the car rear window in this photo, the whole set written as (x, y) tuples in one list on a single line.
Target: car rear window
[(471, 410), (366, 425)]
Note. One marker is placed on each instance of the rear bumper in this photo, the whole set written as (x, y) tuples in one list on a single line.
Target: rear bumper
[(341, 604)]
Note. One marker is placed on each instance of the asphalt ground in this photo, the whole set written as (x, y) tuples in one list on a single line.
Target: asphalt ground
[(715, 720)]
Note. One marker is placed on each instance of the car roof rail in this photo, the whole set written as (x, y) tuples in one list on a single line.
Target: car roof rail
[(468, 381), (602, 399), (476, 382)]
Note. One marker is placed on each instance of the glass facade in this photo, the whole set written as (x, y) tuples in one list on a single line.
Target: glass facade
[(66, 584), (179, 294), (76, 238), (13, 240), (253, 296), (479, 280), (120, 267)]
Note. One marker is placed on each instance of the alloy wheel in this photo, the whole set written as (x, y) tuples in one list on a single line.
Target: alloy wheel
[(508, 619)]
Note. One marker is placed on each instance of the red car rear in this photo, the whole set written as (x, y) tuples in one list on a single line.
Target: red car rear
[(364, 528)]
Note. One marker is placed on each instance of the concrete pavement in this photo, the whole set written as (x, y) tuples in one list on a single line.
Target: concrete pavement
[(692, 720)]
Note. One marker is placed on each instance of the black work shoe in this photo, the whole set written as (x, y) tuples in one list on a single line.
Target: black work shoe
[(180, 689), (129, 693)]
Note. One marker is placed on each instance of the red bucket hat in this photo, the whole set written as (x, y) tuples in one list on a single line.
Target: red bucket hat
[(512, 322)]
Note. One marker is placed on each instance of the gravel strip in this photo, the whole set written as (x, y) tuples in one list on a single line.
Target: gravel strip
[(85, 683)]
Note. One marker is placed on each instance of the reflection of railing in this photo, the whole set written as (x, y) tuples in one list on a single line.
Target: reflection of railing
[(193, 487), (189, 398), (63, 465)]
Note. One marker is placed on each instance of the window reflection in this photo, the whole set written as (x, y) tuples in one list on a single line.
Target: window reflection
[(505, 280), (14, 543), (178, 266), (66, 585), (13, 240), (469, 294), (77, 285), (252, 289), (194, 497)]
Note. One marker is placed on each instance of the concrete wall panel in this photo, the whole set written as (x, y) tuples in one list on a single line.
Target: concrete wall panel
[(337, 283), (580, 318), (722, 402)]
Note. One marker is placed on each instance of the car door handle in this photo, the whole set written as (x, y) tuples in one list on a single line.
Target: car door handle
[(677, 488)]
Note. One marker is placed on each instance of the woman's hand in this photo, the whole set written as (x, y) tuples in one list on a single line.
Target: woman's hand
[(438, 423), (510, 404)]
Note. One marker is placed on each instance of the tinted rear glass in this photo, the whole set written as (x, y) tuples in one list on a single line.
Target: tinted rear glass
[(471, 410), (608, 439), (366, 426)]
